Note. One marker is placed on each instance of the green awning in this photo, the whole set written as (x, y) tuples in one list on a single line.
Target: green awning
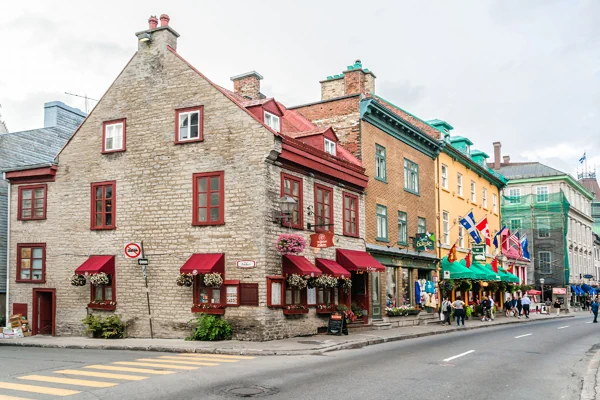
[(485, 274), (507, 276), (457, 271)]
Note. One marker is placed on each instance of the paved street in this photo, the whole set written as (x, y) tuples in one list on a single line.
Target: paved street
[(545, 359)]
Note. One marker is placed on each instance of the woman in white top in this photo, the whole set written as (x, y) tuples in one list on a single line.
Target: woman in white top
[(459, 311)]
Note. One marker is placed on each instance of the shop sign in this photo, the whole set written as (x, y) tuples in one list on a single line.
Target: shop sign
[(588, 276), (559, 290), (132, 250), (321, 240), (446, 274), (479, 252), (245, 264), (423, 242)]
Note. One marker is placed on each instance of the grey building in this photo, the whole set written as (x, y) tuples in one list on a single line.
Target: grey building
[(26, 149)]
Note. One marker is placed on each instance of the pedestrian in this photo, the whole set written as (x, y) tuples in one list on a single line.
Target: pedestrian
[(519, 306), (594, 307), (588, 304), (459, 311), (507, 307), (492, 306), (526, 303), (557, 307), (485, 307), (446, 310), (548, 303)]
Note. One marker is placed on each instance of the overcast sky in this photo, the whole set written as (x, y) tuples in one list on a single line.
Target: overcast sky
[(526, 73)]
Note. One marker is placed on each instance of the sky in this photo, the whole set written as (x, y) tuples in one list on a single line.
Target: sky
[(525, 73)]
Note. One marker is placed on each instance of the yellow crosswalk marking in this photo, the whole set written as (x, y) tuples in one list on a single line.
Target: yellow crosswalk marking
[(126, 369), (38, 389), (156, 364), (3, 397), (176, 360), (100, 375), (221, 356), (68, 381), (212, 359)]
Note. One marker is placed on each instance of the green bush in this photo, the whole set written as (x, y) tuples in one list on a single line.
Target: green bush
[(209, 328), (2, 321), (110, 328)]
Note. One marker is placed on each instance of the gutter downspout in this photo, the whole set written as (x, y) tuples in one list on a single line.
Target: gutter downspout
[(7, 312)]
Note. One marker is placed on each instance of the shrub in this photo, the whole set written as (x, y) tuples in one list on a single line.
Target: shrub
[(209, 328), (94, 324), (109, 328)]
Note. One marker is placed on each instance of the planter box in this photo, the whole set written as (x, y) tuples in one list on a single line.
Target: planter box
[(294, 312), (325, 311), (213, 311), (413, 312), (105, 307)]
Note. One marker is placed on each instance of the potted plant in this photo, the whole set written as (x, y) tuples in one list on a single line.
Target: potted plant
[(78, 280), (289, 243), (326, 308), (348, 314), (296, 281), (185, 280), (206, 308), (213, 279), (346, 285), (295, 309), (99, 279)]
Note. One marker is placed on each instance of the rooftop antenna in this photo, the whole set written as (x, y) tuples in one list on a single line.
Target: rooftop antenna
[(85, 96)]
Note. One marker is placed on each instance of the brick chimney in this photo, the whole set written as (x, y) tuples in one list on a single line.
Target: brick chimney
[(248, 85), (497, 154), (354, 80), (506, 159), (157, 38)]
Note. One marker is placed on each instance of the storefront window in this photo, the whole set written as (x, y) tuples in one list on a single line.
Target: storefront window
[(405, 287), (292, 295), (392, 288), (325, 296), (206, 295)]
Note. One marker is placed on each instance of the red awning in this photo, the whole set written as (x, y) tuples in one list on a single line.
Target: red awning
[(96, 264), (330, 267), (204, 264), (299, 265), (534, 292), (354, 260)]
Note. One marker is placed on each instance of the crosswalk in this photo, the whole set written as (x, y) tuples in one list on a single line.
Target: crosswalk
[(69, 382)]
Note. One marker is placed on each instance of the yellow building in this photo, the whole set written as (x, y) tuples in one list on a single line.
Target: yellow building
[(464, 183)]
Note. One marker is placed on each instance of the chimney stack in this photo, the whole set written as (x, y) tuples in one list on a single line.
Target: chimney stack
[(157, 38), (354, 80), (164, 20), (506, 159), (248, 85), (152, 22), (497, 154)]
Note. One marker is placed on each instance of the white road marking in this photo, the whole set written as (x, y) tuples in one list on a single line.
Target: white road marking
[(460, 355), (589, 322), (563, 327), (529, 334)]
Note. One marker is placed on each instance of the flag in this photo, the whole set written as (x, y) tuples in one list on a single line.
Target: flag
[(431, 236), (514, 240), (482, 226), (582, 159), (452, 254), (468, 259), (495, 264), (525, 250), (504, 242), (468, 222), (498, 238)]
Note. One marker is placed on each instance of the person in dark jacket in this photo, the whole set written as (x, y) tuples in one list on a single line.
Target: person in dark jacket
[(486, 306), (556, 306), (595, 306), (519, 306)]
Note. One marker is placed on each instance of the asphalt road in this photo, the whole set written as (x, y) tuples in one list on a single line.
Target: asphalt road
[(538, 360)]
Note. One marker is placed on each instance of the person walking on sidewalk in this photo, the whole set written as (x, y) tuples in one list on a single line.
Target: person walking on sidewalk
[(507, 307), (526, 303), (446, 310), (594, 307), (459, 311), (492, 304), (548, 303), (519, 306), (588, 304), (557, 307), (485, 306)]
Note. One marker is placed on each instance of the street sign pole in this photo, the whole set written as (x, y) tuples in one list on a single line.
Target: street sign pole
[(145, 272)]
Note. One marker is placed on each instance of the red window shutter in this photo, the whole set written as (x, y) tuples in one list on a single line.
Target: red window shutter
[(20, 308), (248, 294)]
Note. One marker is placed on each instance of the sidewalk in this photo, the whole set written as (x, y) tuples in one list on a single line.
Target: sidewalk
[(313, 345)]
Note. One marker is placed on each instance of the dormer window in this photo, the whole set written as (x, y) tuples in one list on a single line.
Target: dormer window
[(330, 147), (467, 149), (272, 121), (113, 136)]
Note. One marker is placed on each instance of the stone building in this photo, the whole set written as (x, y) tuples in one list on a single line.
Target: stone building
[(398, 151), (198, 177)]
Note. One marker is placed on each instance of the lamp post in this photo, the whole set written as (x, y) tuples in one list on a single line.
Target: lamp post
[(542, 285), (286, 205)]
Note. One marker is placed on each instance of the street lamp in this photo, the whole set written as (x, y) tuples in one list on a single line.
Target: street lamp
[(542, 285), (287, 204)]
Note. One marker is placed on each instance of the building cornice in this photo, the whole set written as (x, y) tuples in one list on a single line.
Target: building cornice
[(469, 163), (567, 178)]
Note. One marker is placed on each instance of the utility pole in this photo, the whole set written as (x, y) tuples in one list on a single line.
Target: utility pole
[(85, 96)]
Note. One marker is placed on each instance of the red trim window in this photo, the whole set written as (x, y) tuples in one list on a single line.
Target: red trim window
[(103, 205), (275, 291), (208, 201), (104, 296), (189, 125), (323, 208), (350, 214), (325, 296), (292, 186), (114, 135), (209, 297), (294, 296), (32, 202), (31, 262)]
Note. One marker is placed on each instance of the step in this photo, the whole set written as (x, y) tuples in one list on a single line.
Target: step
[(381, 326)]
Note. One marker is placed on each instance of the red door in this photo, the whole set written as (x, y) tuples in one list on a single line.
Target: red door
[(45, 317)]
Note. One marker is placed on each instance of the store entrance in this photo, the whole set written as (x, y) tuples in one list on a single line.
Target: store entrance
[(360, 292)]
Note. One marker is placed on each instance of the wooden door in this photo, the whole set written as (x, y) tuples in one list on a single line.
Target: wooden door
[(45, 314)]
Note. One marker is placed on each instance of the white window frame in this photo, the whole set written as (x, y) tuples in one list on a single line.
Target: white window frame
[(189, 114), (511, 196), (330, 147), (547, 262), (473, 192), (445, 176), (109, 133), (272, 121), (494, 202), (461, 237), (459, 184), (484, 197), (537, 194), (380, 161), (446, 227), (382, 222)]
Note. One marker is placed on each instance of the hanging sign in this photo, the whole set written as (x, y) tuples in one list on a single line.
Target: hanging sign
[(588, 276), (446, 274), (424, 242), (321, 240), (132, 250), (479, 252), (245, 264), (559, 290)]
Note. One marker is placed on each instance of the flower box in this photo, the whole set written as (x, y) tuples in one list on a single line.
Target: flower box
[(325, 311), (213, 311), (413, 312), (106, 307), (294, 312)]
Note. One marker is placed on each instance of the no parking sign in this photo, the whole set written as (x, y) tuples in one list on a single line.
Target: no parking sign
[(132, 250)]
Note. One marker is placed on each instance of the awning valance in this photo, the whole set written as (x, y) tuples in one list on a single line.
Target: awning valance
[(354, 260), (331, 267), (507, 276), (204, 264), (586, 288), (456, 270), (299, 265), (96, 264)]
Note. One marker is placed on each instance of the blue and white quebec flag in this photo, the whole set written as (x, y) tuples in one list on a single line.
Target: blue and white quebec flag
[(524, 244), (468, 222), (582, 159)]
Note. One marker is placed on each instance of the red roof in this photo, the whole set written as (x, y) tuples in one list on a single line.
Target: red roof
[(330, 267), (354, 260), (299, 265), (294, 122), (97, 264), (204, 264)]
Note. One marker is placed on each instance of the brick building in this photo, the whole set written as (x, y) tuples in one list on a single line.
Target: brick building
[(398, 151), (198, 175)]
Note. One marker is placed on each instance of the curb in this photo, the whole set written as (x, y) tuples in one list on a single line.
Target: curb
[(256, 352), (590, 380)]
